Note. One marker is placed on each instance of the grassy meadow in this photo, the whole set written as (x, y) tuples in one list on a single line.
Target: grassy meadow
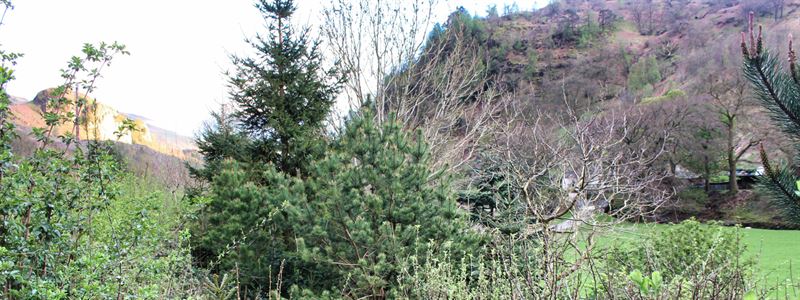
[(775, 251)]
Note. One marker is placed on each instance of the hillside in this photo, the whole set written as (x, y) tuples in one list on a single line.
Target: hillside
[(589, 48), (103, 125), (148, 150), (675, 65), (591, 149)]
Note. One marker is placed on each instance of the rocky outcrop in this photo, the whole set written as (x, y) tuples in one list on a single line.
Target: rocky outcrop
[(98, 121), (103, 122)]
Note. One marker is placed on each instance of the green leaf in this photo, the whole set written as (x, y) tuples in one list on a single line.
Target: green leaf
[(751, 295), (797, 184), (657, 280)]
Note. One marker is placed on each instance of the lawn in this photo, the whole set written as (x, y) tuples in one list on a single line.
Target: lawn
[(776, 251)]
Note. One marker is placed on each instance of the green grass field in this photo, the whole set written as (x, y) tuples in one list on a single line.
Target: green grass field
[(777, 252)]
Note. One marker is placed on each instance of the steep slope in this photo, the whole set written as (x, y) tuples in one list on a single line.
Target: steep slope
[(102, 123), (148, 151), (663, 61), (586, 48)]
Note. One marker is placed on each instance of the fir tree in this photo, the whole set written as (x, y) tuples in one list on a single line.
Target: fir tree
[(281, 98), (219, 140), (779, 92), (283, 94)]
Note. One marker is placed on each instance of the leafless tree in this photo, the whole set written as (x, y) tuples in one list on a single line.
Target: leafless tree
[(644, 16), (777, 8), (759, 7), (731, 101), (438, 87), (606, 19), (564, 172)]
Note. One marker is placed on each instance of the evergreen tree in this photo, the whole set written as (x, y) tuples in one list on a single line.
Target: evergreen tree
[(644, 74), (281, 98), (219, 140), (779, 92), (347, 226), (283, 94), (371, 203)]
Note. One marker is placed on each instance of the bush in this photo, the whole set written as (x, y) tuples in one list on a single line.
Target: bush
[(692, 200), (689, 254)]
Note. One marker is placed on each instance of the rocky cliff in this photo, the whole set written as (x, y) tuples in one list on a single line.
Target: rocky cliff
[(102, 122)]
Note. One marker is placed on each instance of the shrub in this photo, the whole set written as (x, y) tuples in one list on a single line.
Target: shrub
[(689, 254), (345, 228), (692, 200)]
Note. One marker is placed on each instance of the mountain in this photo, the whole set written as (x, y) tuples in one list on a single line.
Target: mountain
[(18, 99), (103, 124), (148, 150)]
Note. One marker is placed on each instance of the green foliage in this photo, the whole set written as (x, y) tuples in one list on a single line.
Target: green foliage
[(246, 226), (685, 251), (669, 95), (647, 284), (75, 225), (588, 32), (440, 275), (644, 74), (491, 12), (344, 227), (493, 198), (471, 27), (779, 93), (376, 202), (692, 200), (7, 129), (219, 287), (283, 94), (530, 68), (217, 141), (687, 261)]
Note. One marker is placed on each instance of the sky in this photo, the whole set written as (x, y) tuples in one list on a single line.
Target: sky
[(179, 48)]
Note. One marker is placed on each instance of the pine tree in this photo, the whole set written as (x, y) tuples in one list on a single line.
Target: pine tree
[(254, 157), (371, 203), (779, 92), (283, 94), (346, 226)]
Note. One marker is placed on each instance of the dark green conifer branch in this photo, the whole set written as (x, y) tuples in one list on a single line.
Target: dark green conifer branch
[(779, 93)]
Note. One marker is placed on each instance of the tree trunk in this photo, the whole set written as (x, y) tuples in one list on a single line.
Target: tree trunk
[(707, 175), (732, 186)]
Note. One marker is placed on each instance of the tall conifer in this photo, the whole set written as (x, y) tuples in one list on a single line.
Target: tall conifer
[(283, 94)]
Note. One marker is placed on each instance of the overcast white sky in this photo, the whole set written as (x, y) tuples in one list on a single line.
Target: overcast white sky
[(179, 48)]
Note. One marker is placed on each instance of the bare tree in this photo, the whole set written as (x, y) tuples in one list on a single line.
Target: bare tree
[(777, 8), (606, 19), (759, 7), (644, 16), (674, 14), (730, 99), (564, 171), (436, 86)]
